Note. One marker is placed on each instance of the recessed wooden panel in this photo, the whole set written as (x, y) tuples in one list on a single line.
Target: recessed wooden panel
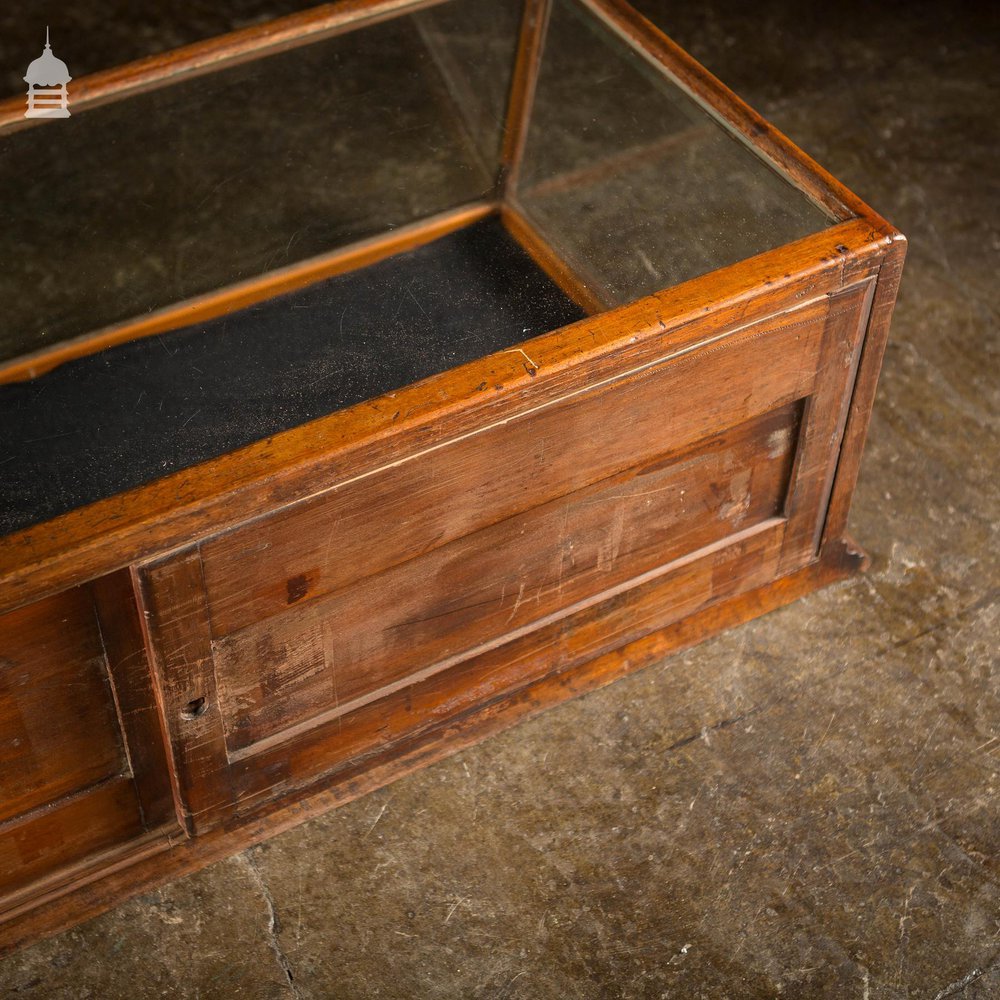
[(83, 769), (101, 817), (324, 656), (59, 731), (655, 601), (314, 548)]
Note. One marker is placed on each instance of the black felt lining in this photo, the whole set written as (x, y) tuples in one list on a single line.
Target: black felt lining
[(132, 414)]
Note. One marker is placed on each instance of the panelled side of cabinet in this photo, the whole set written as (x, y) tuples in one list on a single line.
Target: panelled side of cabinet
[(596, 514), (825, 418), (406, 596), (82, 755)]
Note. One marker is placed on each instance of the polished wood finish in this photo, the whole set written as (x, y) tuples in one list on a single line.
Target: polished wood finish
[(529, 56), (826, 411), (863, 397), (178, 636), (110, 877), (314, 548), (118, 610), (53, 669), (380, 630), (214, 657)]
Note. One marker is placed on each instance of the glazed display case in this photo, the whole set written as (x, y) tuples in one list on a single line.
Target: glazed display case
[(374, 377)]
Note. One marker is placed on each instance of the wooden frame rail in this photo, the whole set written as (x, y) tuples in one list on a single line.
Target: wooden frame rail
[(722, 104), (347, 15), (246, 293), (234, 47), (186, 505)]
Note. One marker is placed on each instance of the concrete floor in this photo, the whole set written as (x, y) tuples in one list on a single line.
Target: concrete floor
[(804, 807)]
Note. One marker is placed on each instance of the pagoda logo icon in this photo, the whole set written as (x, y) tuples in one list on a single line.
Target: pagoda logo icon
[(47, 79)]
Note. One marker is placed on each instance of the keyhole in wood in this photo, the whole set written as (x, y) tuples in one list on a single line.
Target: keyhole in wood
[(194, 708)]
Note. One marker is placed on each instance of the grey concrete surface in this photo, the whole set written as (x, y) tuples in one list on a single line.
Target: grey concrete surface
[(804, 807)]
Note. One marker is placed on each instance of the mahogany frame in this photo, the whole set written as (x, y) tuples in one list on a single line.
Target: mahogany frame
[(111, 538)]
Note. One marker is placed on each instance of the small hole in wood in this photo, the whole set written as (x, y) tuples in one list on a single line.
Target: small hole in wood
[(194, 708)]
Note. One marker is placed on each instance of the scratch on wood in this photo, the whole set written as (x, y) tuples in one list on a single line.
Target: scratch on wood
[(518, 350), (517, 603)]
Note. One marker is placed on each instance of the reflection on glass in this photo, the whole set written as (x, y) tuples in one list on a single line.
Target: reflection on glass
[(155, 198), (147, 201), (632, 182)]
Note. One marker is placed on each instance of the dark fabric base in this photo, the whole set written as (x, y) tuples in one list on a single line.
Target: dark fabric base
[(127, 416)]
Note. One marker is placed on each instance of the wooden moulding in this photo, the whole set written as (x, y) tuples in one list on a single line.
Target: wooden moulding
[(824, 418), (863, 398), (123, 636), (522, 94), (90, 770), (181, 636)]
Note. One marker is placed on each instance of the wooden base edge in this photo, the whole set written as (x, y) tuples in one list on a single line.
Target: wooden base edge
[(153, 865)]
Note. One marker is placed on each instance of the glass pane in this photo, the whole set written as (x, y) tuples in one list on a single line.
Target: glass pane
[(107, 422), (631, 180), (147, 201)]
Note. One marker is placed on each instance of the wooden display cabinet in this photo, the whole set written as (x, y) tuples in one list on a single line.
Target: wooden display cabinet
[(358, 406)]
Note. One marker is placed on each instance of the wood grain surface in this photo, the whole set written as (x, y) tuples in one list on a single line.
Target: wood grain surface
[(196, 664)]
